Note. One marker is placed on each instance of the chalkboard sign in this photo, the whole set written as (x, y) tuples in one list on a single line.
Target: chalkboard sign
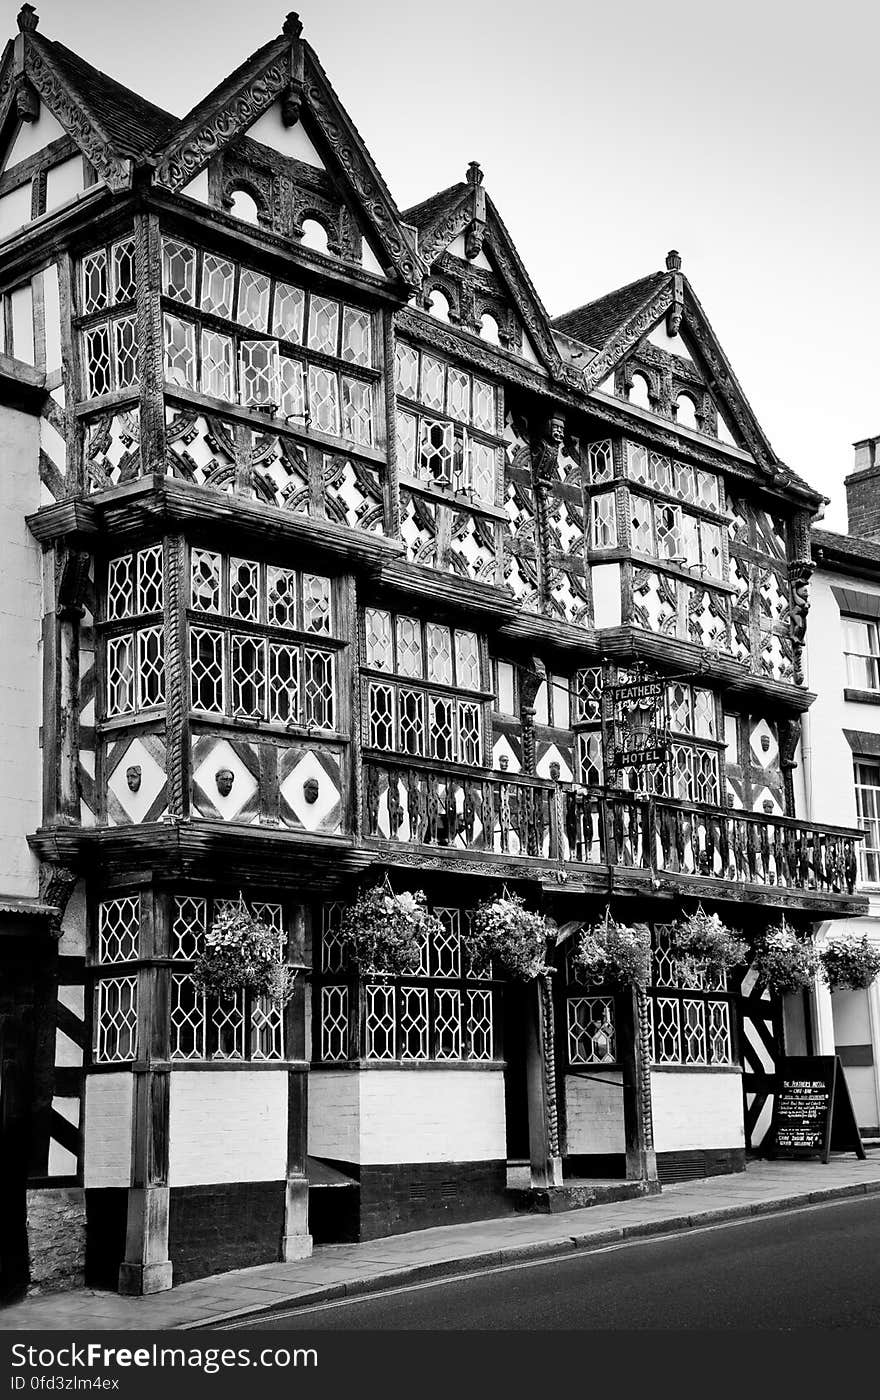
[(812, 1110)]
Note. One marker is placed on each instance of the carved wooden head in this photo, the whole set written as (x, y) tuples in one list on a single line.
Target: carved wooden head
[(311, 789), (224, 780), (133, 777)]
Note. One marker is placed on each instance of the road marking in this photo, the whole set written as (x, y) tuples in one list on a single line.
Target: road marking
[(233, 1324)]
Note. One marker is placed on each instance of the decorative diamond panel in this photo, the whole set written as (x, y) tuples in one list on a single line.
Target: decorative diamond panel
[(223, 785), (591, 1036), (311, 788), (136, 786), (118, 926)]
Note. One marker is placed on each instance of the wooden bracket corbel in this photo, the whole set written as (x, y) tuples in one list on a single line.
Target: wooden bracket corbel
[(676, 309)]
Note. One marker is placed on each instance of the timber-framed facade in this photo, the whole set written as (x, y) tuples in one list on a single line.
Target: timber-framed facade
[(342, 543)]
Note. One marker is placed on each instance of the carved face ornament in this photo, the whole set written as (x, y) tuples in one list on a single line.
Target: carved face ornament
[(224, 780), (311, 790), (133, 777)]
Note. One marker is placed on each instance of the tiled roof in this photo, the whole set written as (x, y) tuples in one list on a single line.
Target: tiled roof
[(133, 125), (423, 215), (595, 323), (847, 546)]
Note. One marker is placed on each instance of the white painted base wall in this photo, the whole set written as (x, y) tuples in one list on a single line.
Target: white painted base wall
[(694, 1110), (377, 1117), (594, 1113), (108, 1129), (227, 1126)]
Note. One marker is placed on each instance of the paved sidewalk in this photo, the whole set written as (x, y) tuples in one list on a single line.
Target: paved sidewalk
[(339, 1270)]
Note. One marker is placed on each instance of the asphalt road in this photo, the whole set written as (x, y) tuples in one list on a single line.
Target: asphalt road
[(817, 1267)]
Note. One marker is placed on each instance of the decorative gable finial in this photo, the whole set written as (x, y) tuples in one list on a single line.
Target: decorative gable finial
[(28, 19), (292, 25), (673, 260), (474, 174)]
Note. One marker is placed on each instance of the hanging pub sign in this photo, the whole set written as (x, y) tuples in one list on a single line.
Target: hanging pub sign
[(639, 722), (812, 1110)]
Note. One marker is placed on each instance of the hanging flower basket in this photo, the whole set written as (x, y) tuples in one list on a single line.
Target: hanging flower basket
[(783, 961), (243, 953), (503, 931), (702, 943), (849, 963), (387, 933), (615, 953)]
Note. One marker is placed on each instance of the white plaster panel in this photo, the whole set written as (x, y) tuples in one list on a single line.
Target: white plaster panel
[(52, 305), (15, 209), (594, 1112), (32, 137), (606, 595), (23, 324), (198, 188), (432, 1116), (227, 1125), (693, 1110), (289, 140), (108, 1129), (334, 1115), (64, 182)]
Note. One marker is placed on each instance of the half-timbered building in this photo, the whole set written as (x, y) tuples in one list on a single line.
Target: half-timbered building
[(324, 547)]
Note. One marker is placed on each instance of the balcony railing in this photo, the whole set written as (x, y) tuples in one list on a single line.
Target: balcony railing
[(429, 805)]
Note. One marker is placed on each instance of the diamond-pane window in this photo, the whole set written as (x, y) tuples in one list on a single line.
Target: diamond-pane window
[(293, 391), (120, 587), (704, 714), (151, 667), (287, 313), (253, 300), (267, 1030), (406, 369), (480, 1025), (588, 693), (710, 548), (467, 660), (99, 374), (380, 715), (669, 540), (187, 1018), (357, 411), (323, 325), (259, 373), (601, 460), (414, 1023), (247, 663), (125, 344), (95, 286), (356, 336), (411, 713), (180, 352), (179, 271), (116, 1002), (334, 1023), (447, 1023), (481, 470), (637, 462), (319, 709), (316, 603), (660, 471), (604, 520), (118, 925), (188, 926), (244, 589), (226, 1029), (470, 737), (324, 399), (379, 1022), (377, 635), (680, 715), (590, 758), (446, 945), (218, 280), (217, 365), (407, 431), (441, 730), (149, 579), (682, 480), (458, 392), (641, 525), (484, 406), (690, 539), (283, 683), (433, 382), (206, 575), (439, 643), (120, 675), (409, 646), (591, 1038), (281, 596), (708, 493), (124, 270), (436, 451), (206, 670)]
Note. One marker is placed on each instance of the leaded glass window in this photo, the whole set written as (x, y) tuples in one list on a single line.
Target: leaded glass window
[(442, 444)]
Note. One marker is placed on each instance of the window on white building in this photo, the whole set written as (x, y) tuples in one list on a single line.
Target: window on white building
[(867, 781), (861, 647)]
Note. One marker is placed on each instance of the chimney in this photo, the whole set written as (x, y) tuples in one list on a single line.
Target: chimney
[(863, 491)]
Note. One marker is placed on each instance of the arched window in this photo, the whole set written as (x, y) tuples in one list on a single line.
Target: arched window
[(489, 329), (243, 206), (314, 236), (686, 412), (640, 391), (439, 306)]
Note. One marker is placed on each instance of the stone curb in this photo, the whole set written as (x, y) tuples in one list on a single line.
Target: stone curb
[(536, 1249)]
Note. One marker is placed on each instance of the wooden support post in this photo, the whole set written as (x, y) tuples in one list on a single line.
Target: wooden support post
[(146, 1267), (297, 1242), (633, 1052), (546, 1162)]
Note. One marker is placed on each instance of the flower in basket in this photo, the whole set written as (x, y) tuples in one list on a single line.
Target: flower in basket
[(505, 932), (388, 933), (702, 943), (783, 961), (848, 962), (615, 953), (242, 952)]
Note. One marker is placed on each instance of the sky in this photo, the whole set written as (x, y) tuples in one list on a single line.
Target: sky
[(743, 134)]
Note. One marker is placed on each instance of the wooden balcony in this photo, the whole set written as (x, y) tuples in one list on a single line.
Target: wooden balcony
[(581, 836)]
